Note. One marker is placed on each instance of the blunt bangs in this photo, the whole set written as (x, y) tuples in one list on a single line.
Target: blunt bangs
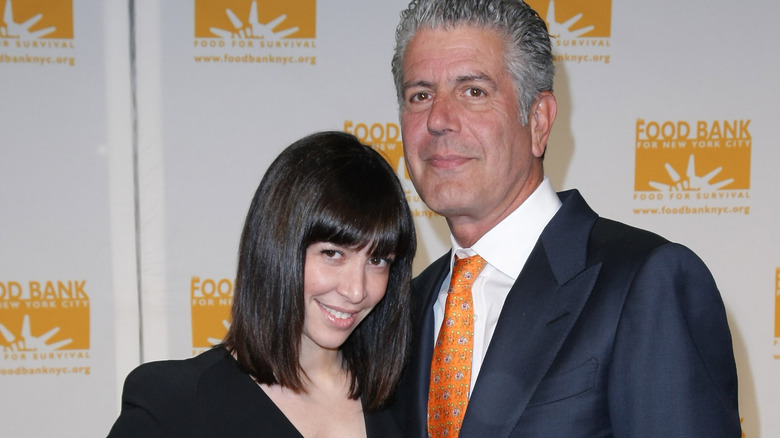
[(350, 213)]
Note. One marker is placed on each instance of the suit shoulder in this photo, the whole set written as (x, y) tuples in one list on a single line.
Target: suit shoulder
[(625, 250), (622, 240), (609, 238), (630, 255)]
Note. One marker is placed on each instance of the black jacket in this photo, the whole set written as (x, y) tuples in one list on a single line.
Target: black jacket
[(209, 396)]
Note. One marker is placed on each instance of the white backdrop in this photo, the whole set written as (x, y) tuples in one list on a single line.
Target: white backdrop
[(130, 149)]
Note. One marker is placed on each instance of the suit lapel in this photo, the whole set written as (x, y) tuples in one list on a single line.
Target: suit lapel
[(426, 289), (536, 318)]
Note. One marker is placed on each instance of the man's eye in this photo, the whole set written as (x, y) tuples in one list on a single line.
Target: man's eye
[(475, 92), (419, 97)]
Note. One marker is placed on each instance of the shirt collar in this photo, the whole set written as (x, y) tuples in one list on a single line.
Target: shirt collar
[(508, 245)]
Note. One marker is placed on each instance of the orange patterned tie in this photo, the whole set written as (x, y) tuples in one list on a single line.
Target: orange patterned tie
[(451, 364)]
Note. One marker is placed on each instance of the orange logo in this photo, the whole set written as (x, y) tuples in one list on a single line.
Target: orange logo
[(386, 138), (255, 19), (210, 303), (34, 19), (570, 19), (39, 318), (701, 156)]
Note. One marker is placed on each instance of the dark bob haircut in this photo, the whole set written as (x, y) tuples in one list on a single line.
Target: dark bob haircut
[(327, 187)]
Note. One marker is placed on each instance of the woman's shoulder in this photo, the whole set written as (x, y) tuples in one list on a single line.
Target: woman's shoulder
[(160, 397), (177, 373)]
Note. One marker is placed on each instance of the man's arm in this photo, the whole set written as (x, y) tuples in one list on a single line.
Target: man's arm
[(673, 372)]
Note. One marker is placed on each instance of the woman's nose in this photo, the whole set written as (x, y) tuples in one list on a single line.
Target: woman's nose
[(352, 284)]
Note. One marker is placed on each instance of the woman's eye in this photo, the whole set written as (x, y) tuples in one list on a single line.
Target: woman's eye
[(332, 253), (379, 261)]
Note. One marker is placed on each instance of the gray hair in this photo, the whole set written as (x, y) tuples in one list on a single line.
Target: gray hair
[(528, 53)]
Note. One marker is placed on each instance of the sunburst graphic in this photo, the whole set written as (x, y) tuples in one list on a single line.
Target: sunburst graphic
[(565, 30), (27, 342), (691, 181), (216, 341), (253, 28), (12, 29)]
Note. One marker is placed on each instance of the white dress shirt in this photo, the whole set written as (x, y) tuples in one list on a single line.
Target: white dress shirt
[(505, 248)]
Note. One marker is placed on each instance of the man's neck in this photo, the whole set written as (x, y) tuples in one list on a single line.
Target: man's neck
[(468, 230)]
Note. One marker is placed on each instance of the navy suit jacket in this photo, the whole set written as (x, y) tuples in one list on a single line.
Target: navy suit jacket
[(609, 331)]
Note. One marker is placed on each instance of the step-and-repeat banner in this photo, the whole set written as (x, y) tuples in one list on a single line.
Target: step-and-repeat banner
[(134, 133)]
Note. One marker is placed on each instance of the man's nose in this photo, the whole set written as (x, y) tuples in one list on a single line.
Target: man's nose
[(442, 117)]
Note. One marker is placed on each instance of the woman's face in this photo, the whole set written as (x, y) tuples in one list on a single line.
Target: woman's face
[(341, 285)]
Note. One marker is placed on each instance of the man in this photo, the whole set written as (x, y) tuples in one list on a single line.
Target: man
[(582, 326)]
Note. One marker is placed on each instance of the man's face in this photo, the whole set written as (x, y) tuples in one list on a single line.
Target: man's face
[(467, 152)]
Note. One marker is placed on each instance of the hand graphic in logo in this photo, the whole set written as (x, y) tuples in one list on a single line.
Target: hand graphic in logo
[(564, 30), (255, 29), (215, 341), (691, 180), (21, 30), (28, 342)]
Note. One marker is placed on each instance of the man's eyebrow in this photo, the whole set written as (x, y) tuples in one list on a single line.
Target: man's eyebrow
[(414, 84), (471, 77), (476, 77)]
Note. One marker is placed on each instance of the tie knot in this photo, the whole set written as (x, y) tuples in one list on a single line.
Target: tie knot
[(464, 272)]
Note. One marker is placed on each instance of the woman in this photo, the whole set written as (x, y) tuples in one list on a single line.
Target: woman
[(320, 321)]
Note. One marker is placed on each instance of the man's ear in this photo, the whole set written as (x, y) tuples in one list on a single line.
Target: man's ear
[(542, 117)]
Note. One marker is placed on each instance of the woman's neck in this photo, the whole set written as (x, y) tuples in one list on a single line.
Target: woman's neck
[(323, 368)]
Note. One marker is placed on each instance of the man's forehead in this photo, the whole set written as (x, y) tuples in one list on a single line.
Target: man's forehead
[(456, 55)]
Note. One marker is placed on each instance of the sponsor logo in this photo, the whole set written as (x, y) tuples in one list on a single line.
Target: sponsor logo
[(257, 32), (36, 32), (44, 320), (36, 19), (210, 303), (703, 165), (581, 29), (386, 138)]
